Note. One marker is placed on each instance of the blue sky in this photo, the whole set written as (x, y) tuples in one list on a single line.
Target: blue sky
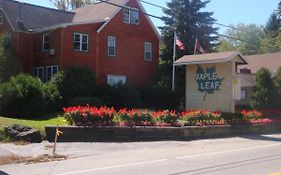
[(225, 11)]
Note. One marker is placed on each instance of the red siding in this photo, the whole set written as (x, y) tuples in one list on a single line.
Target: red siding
[(129, 60), (22, 42)]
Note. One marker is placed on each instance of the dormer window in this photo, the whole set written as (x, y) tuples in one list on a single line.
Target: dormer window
[(131, 15), (1, 16)]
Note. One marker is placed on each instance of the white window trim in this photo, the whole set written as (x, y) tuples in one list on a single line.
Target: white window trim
[(37, 72), (52, 71), (130, 15), (121, 77), (129, 19), (81, 41), (2, 16), (43, 42), (150, 51), (113, 46)]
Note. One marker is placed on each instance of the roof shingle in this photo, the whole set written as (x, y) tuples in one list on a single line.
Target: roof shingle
[(209, 58), (270, 61), (35, 17)]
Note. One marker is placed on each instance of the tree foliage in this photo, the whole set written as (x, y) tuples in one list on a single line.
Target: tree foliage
[(264, 90), (67, 5), (277, 82), (189, 21), (9, 63), (247, 39), (272, 41), (273, 24)]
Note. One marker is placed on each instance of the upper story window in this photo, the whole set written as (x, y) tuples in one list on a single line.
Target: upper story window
[(46, 42), (131, 15), (1, 16), (147, 51), (80, 42), (111, 45), (51, 71)]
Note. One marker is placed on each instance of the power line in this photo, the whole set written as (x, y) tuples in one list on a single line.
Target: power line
[(124, 7), (221, 35), (165, 8)]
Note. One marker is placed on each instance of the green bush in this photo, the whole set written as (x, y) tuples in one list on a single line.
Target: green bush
[(157, 97), (83, 101), (277, 82), (53, 97), (22, 96), (74, 82), (120, 96), (264, 91)]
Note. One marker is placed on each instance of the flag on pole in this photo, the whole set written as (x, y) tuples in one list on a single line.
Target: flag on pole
[(179, 43), (198, 47)]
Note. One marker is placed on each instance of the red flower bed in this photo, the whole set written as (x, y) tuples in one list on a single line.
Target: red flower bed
[(104, 116)]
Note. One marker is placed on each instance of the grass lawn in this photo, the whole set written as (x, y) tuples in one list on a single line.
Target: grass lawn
[(36, 123)]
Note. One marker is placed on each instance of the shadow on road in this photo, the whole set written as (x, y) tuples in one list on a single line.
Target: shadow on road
[(261, 137)]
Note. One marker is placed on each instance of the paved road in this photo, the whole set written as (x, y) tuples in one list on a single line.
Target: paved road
[(245, 155)]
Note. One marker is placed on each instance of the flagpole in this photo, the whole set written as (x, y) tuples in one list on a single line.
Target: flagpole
[(195, 45), (174, 58)]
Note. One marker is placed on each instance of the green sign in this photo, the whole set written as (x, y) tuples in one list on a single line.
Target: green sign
[(208, 81)]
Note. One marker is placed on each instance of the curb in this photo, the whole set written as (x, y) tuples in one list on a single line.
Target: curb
[(128, 134)]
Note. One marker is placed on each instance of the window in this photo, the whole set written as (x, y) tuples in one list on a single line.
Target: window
[(111, 45), (39, 72), (1, 16), (46, 42), (147, 51), (80, 42), (114, 80), (131, 15), (243, 94), (51, 71)]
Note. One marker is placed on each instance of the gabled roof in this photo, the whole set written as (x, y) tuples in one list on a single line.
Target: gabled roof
[(209, 58), (97, 12), (39, 19), (271, 61), (35, 17)]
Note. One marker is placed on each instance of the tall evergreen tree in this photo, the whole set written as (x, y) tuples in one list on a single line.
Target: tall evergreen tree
[(273, 24), (187, 19)]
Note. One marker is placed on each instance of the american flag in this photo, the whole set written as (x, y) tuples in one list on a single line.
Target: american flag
[(179, 43)]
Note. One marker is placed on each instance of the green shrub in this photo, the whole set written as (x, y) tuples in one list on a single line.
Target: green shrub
[(120, 96), (264, 91), (74, 82), (157, 97), (22, 96), (53, 97), (277, 82), (83, 101)]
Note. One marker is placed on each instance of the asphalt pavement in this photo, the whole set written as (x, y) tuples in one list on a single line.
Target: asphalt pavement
[(247, 154)]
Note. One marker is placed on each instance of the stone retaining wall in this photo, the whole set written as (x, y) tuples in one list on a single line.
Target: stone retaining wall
[(108, 134)]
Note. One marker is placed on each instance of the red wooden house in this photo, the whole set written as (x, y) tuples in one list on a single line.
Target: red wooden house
[(117, 40)]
